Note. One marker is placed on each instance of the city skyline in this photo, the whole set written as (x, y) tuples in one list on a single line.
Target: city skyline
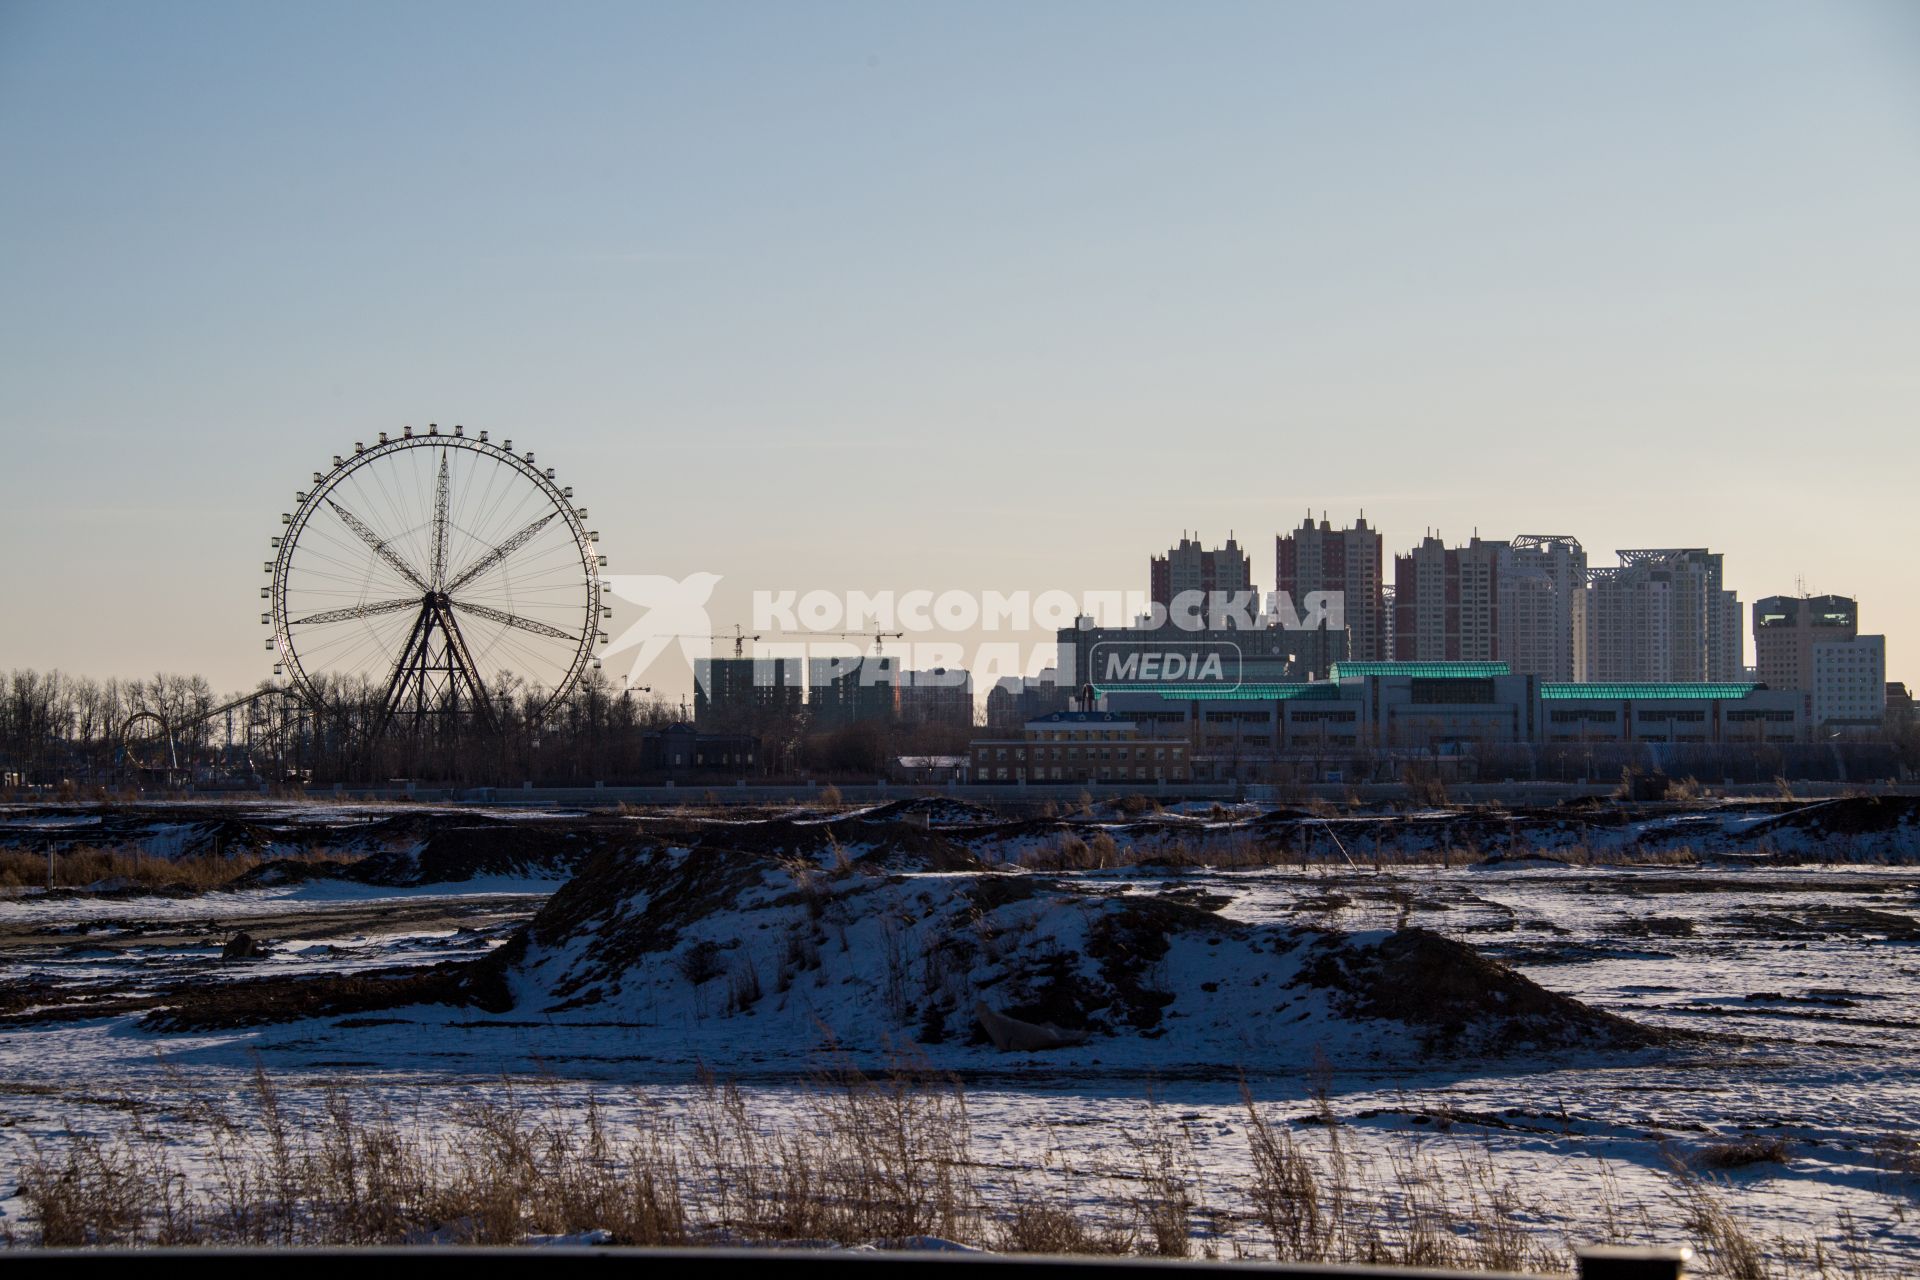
[(799, 302), (1112, 602)]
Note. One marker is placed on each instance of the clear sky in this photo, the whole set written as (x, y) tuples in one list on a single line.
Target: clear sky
[(968, 296)]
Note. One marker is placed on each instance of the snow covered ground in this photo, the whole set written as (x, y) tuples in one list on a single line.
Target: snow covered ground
[(1812, 972)]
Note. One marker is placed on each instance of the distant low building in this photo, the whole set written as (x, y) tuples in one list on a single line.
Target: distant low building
[(941, 695), (1720, 714), (1082, 746), (1900, 705), (1901, 719), (1014, 700), (1090, 654), (680, 752), (1850, 685), (1389, 710), (930, 770)]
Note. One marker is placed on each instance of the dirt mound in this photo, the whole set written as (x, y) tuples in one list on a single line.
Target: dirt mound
[(687, 945), (936, 811), (155, 832), (1829, 922), (633, 906), (288, 871), (882, 843), (454, 850), (1853, 824), (283, 999), (244, 946), (1455, 999)]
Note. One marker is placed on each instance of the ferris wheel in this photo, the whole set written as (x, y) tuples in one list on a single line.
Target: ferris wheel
[(432, 571)]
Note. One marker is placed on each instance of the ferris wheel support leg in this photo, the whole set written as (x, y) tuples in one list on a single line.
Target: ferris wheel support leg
[(457, 647), (413, 656)]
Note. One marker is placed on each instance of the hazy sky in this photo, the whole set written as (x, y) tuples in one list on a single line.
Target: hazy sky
[(986, 295)]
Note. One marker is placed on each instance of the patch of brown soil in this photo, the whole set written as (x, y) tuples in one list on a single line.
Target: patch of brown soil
[(1450, 993)]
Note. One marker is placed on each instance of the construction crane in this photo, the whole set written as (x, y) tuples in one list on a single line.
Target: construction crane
[(739, 638), (876, 636)]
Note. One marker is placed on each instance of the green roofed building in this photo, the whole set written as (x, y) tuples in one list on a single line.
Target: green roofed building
[(1643, 692), (1424, 670), (1385, 711), (1323, 690)]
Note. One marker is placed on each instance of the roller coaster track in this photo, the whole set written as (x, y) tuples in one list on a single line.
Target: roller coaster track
[(135, 747)]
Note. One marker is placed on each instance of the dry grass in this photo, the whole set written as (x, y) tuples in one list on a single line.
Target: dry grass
[(1753, 1149), (864, 1160), (129, 868), (1726, 1246), (1588, 856), (851, 1160), (1417, 1211)]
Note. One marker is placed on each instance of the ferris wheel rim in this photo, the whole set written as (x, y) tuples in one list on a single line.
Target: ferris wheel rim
[(287, 650)]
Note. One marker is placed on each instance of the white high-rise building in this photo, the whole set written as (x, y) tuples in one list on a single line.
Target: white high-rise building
[(1541, 578), (1662, 616), (1850, 681)]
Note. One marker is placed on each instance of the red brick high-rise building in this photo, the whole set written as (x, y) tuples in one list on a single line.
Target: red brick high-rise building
[(1191, 567), (1447, 602), (1323, 558)]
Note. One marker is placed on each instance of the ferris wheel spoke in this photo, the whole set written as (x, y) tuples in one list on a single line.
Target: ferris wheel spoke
[(524, 657), (370, 493), (550, 567), (506, 619), (500, 552), (440, 523), (352, 570), (380, 547), (357, 611)]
